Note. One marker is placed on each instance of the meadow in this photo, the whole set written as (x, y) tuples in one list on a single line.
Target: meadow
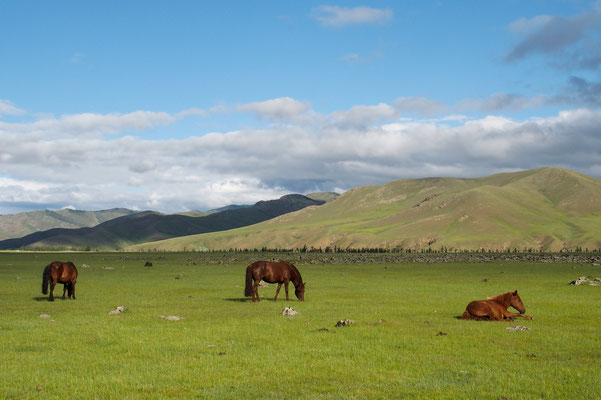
[(405, 342)]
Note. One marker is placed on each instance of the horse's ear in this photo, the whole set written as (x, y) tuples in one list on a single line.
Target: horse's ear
[(515, 293)]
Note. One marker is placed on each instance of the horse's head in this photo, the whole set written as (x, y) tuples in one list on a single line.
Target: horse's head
[(516, 302), (300, 291)]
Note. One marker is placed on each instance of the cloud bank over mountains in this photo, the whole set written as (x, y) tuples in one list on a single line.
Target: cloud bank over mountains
[(96, 161)]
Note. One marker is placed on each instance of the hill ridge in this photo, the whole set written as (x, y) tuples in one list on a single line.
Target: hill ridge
[(542, 209)]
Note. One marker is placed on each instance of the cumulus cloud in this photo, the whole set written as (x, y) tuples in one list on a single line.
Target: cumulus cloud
[(8, 108), (335, 16), (282, 109), (359, 146), (581, 91), (548, 34), (501, 102), (572, 40), (420, 106), (359, 116)]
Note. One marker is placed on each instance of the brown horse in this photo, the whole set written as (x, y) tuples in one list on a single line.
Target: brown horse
[(273, 272), (59, 272), (495, 308)]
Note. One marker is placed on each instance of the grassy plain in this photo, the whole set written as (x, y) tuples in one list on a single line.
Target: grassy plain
[(405, 343)]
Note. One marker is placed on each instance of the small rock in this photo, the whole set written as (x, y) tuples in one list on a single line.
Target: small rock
[(170, 317), (148, 264), (485, 280), (441, 334), (108, 268), (289, 311), (86, 266), (517, 328), (344, 322), (118, 310), (45, 316)]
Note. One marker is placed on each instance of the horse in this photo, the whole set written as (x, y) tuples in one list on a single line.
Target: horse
[(273, 272), (495, 308), (59, 272)]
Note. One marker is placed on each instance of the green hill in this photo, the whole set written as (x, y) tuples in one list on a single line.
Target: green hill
[(546, 208), (21, 224), (151, 226)]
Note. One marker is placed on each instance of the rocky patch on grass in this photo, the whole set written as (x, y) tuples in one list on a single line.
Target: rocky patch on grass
[(170, 317), (289, 311), (583, 280), (517, 328), (118, 310), (344, 322)]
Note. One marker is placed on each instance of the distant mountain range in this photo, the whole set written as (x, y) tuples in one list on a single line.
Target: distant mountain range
[(150, 226), (547, 209), (21, 224)]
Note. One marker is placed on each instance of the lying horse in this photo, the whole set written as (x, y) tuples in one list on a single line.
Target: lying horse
[(273, 272), (59, 272), (495, 308)]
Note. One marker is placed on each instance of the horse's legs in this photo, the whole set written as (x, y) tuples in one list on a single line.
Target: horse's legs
[(256, 291), (277, 291), (286, 287), (72, 287), (52, 284), (65, 287), (509, 315)]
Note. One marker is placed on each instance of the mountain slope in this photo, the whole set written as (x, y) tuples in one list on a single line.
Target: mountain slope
[(21, 224), (151, 226), (545, 208)]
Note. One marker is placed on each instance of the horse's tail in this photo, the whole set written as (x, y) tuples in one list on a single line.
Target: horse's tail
[(45, 279), (248, 289)]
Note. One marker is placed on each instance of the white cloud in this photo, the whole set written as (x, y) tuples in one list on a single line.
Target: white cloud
[(363, 115), (420, 105), (8, 108), (335, 16), (364, 144), (283, 108), (501, 102)]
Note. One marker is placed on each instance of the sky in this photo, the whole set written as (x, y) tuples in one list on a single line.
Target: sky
[(189, 105)]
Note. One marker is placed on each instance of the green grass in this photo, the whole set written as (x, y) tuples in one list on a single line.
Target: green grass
[(228, 347)]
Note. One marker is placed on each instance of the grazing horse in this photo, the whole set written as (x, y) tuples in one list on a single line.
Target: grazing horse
[(59, 272), (495, 308), (273, 272)]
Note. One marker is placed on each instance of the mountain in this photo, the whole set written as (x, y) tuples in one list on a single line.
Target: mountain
[(21, 224), (150, 226), (542, 209), (215, 210), (323, 196)]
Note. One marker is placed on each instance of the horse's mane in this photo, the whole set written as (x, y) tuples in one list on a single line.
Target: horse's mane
[(497, 297), (293, 268)]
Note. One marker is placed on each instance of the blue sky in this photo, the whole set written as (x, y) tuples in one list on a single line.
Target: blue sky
[(193, 105)]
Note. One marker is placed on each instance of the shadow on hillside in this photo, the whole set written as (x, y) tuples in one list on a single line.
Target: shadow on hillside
[(239, 300)]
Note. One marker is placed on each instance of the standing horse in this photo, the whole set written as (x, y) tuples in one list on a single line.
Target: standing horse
[(59, 272), (273, 272), (495, 308)]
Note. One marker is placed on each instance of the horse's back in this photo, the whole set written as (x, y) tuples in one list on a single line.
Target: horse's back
[(65, 271)]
